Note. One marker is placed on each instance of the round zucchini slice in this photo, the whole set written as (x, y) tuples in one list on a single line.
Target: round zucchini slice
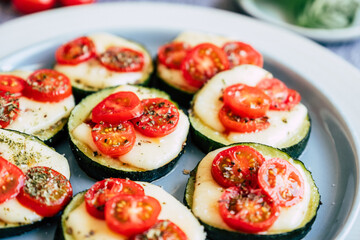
[(288, 130), (161, 153), (91, 76), (26, 151), (217, 229)]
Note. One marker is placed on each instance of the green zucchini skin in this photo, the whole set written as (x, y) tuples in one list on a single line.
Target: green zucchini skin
[(221, 234), (20, 229)]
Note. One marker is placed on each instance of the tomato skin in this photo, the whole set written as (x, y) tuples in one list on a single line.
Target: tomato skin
[(247, 210), (239, 124), (45, 191), (246, 101), (239, 53), (172, 54), (281, 181), (159, 119), (120, 217), (202, 63), (32, 6), (114, 140), (11, 180), (9, 109), (117, 107), (11, 84), (76, 51), (237, 166), (46, 85), (103, 191), (76, 2), (163, 229), (121, 59)]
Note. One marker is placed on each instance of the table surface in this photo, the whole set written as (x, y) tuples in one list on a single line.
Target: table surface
[(350, 51)]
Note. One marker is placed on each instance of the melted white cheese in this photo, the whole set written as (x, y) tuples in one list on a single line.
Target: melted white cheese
[(82, 223), (208, 192)]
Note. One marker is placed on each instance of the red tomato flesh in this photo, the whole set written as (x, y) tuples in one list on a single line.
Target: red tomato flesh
[(9, 109), (103, 191), (45, 191), (122, 59), (172, 54), (76, 51), (239, 53), (159, 119), (76, 2), (163, 229), (32, 6), (131, 214), (11, 84), (117, 107), (247, 210), (281, 181), (11, 180), (202, 63)]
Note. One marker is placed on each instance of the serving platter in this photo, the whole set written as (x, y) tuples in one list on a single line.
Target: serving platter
[(328, 86)]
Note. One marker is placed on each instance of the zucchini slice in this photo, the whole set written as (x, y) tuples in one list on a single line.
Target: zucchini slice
[(90, 76), (26, 151), (76, 212), (165, 151), (289, 130), (216, 229)]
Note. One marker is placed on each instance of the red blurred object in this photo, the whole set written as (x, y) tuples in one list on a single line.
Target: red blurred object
[(32, 6), (76, 2)]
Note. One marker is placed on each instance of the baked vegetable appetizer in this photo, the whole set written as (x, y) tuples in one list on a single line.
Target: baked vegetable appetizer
[(34, 183), (38, 103), (128, 132), (103, 60), (252, 191), (122, 209), (246, 104), (191, 59)]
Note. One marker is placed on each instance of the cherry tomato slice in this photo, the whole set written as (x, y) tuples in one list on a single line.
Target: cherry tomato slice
[(103, 191), (47, 85), (247, 210), (11, 180), (281, 181), (159, 119), (239, 124), (163, 229), (282, 98), (239, 53), (45, 191), (11, 84), (246, 101), (76, 2), (32, 6), (237, 166), (202, 63), (131, 214), (114, 140), (117, 107), (76, 51), (172, 54), (122, 59), (9, 109)]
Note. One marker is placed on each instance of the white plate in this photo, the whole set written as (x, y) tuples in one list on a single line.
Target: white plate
[(329, 87), (268, 11)]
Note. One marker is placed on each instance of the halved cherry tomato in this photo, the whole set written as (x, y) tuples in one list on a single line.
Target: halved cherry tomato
[(131, 214), (247, 210), (103, 191), (47, 85), (45, 191), (11, 180), (202, 63), (114, 140), (237, 166), (172, 54), (281, 181), (9, 109), (117, 107), (246, 101), (76, 2), (32, 6), (11, 84), (236, 123), (164, 230), (76, 51), (282, 98), (122, 59), (159, 119), (239, 53)]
